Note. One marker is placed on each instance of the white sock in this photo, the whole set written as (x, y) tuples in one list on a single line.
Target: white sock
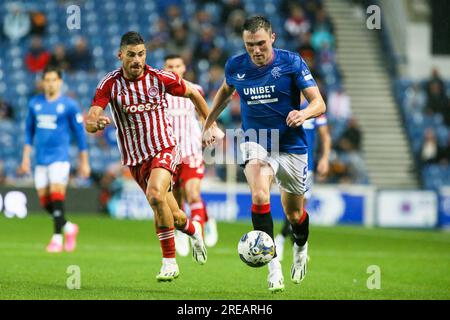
[(58, 238), (68, 227), (169, 260), (274, 264), (280, 238)]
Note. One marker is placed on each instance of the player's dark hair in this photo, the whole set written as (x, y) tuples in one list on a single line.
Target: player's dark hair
[(131, 38), (253, 24), (172, 56), (51, 68)]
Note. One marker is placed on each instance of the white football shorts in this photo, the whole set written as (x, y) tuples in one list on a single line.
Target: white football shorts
[(54, 173), (309, 183), (290, 169)]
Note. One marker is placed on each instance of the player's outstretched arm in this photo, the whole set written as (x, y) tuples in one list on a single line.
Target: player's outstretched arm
[(219, 104), (323, 165), (30, 125), (25, 166), (84, 169), (96, 120), (315, 108)]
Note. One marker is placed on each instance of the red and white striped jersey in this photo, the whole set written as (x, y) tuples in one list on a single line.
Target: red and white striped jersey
[(139, 109), (186, 126)]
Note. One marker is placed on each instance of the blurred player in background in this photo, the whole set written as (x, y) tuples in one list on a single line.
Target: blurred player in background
[(51, 118), (136, 94), (269, 82), (310, 126), (187, 180)]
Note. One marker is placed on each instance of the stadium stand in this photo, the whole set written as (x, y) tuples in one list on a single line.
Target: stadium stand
[(424, 123)]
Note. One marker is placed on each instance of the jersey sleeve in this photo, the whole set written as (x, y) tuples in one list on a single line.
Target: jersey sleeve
[(103, 92), (173, 84), (228, 78), (303, 76), (30, 124), (76, 125)]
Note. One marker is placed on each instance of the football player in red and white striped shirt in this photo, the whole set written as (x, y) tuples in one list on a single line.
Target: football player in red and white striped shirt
[(187, 181), (136, 95)]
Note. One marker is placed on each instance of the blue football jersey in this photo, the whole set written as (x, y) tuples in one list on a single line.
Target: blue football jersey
[(268, 93), (49, 125)]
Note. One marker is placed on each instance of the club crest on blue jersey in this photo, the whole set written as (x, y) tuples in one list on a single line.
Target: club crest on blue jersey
[(276, 72)]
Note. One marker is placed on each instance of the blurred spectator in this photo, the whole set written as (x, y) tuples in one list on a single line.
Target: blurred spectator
[(338, 105), (311, 7), (351, 137), (327, 57), (179, 39), (415, 99), (80, 58), (59, 58), (235, 23), (201, 21), (17, 23), (429, 150), (174, 16), (437, 101), (339, 172), (6, 111), (322, 36), (38, 22), (349, 147), (297, 23), (159, 34), (217, 56), (37, 57), (444, 153), (306, 50), (205, 43), (436, 80), (322, 21), (229, 7), (215, 80)]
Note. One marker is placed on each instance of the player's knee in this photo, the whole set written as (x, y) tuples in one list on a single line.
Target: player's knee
[(260, 196)]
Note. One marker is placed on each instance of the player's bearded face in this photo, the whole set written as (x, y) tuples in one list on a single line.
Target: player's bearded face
[(259, 45), (133, 59)]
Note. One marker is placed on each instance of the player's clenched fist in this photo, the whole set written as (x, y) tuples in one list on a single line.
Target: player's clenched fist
[(295, 118), (99, 124), (212, 135)]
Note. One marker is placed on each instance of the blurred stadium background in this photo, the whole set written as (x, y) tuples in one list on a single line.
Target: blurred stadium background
[(387, 92)]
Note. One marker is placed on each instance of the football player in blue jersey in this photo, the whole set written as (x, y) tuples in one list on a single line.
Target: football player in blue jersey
[(269, 82), (319, 124), (51, 119)]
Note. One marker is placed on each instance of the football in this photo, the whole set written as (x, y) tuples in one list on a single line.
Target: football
[(256, 248)]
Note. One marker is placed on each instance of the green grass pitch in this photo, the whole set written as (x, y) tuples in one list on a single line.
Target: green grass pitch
[(119, 260)]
